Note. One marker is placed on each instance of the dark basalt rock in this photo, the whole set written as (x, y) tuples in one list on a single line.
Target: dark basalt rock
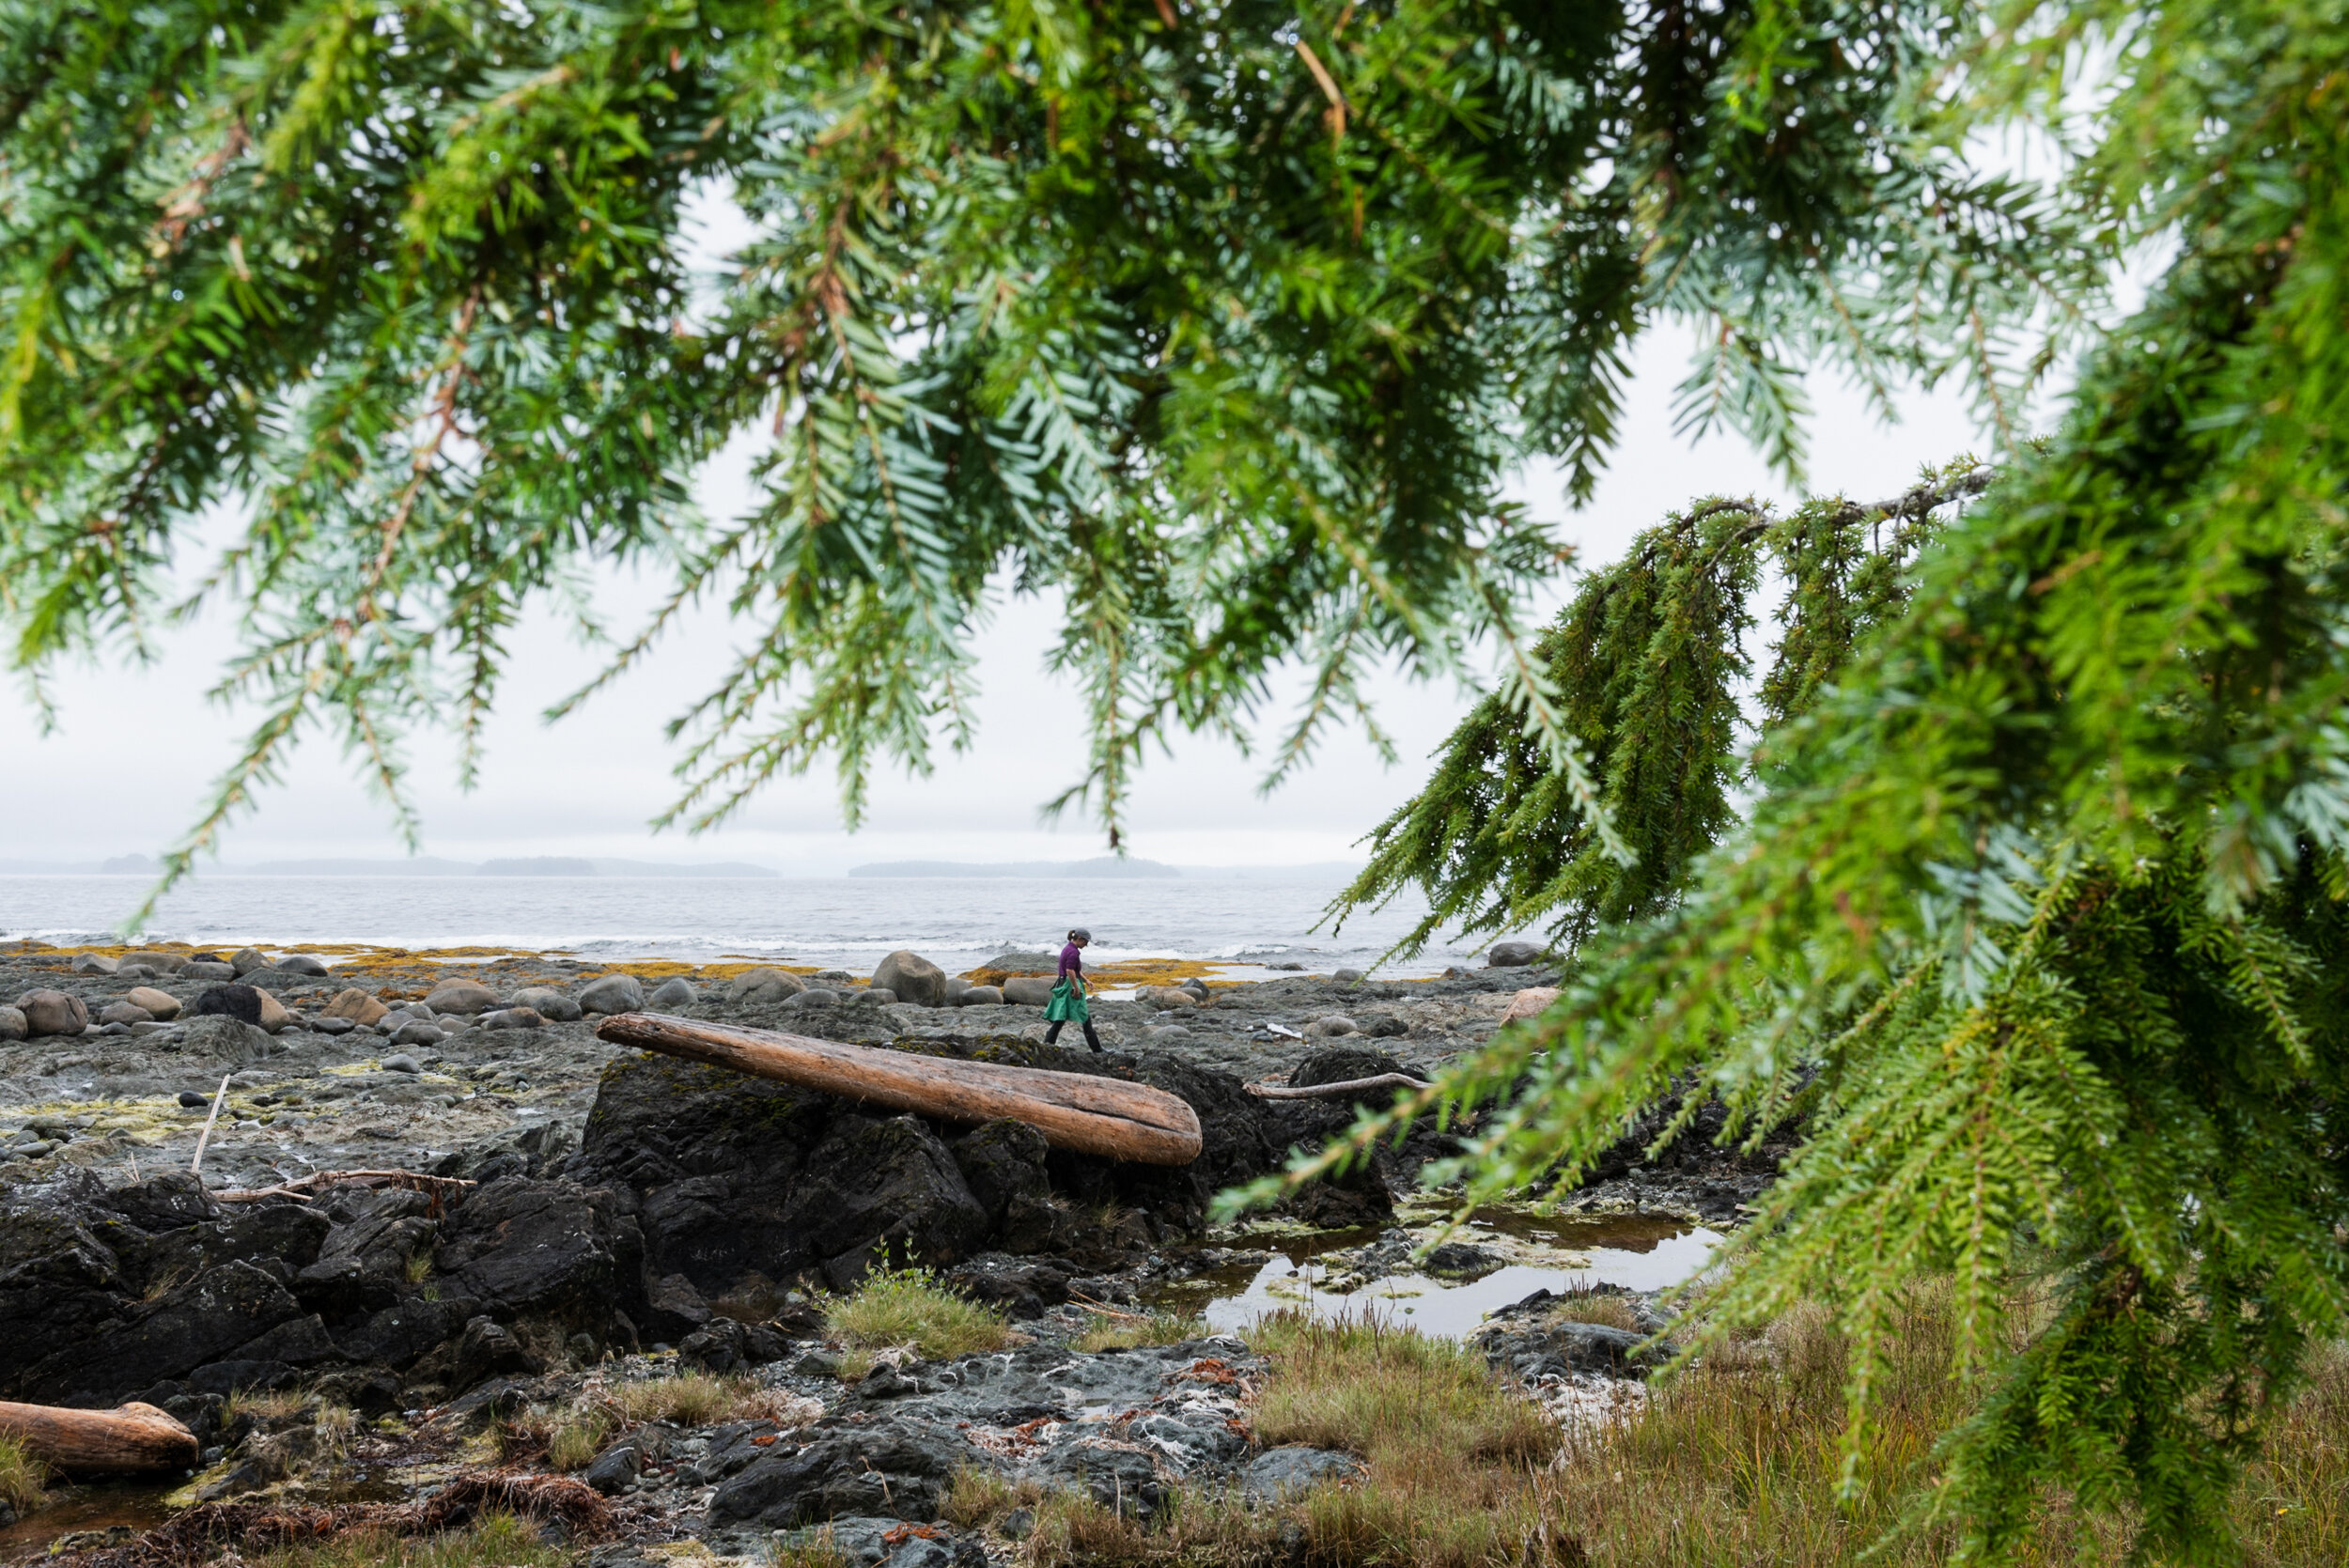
[(556, 1256), (894, 1467), (210, 1318), (241, 1002)]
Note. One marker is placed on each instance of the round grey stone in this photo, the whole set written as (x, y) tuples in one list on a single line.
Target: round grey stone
[(982, 996), (676, 991), (612, 993), (1514, 955), (401, 1063), (418, 1034), (549, 1003), (12, 1025)]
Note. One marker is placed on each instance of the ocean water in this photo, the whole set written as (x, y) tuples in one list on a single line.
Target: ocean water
[(850, 923)]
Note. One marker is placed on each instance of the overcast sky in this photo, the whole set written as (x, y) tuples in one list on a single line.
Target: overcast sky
[(140, 747)]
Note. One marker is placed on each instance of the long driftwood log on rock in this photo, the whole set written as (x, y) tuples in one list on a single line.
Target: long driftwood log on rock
[(127, 1439), (1091, 1115)]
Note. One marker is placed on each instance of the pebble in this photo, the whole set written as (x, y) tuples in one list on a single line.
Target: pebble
[(403, 1063)]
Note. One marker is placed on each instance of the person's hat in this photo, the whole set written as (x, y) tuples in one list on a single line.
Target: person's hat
[(1080, 935)]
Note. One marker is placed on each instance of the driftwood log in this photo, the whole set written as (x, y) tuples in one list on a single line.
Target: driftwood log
[(1334, 1091), (1090, 1115), (127, 1439)]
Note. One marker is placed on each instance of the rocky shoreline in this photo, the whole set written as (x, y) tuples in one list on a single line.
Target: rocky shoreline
[(550, 1212)]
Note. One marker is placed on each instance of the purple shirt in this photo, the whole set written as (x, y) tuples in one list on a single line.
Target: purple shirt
[(1072, 961)]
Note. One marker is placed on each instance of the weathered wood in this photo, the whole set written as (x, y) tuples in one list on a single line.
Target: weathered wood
[(1334, 1091), (130, 1439), (1091, 1115), (300, 1188)]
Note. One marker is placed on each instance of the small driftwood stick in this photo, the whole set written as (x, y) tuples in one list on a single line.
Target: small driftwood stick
[(1091, 1115), (128, 1439), (300, 1187), (1335, 1091), (195, 1166)]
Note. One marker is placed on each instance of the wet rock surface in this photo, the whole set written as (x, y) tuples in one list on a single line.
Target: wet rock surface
[(549, 1212)]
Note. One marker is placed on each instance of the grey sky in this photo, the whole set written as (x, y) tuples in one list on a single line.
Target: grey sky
[(139, 747)]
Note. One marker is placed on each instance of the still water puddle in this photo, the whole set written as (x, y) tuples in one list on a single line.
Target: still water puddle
[(130, 1507), (1640, 1252)]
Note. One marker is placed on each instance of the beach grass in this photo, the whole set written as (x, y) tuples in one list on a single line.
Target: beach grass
[(911, 1308)]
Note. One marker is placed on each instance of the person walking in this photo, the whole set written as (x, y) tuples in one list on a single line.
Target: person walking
[(1068, 994)]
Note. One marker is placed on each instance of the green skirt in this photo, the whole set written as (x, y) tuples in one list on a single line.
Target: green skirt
[(1067, 1004)]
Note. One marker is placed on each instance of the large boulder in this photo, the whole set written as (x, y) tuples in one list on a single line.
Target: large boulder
[(549, 1003), (764, 985), (356, 1005), (912, 978), (224, 1039), (612, 993), (159, 1004), (158, 960), (241, 1002), (245, 961), (302, 963), (93, 963), (676, 991), (1176, 997), (48, 1012), (13, 1024), (1029, 990), (1514, 955), (460, 995), (1531, 1003)]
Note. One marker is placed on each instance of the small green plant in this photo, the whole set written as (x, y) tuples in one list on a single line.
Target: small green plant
[(265, 1404), (817, 1549), (1130, 1330), (909, 1306), (23, 1476), (574, 1443), (419, 1265)]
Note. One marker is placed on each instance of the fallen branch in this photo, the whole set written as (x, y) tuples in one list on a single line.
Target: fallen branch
[(299, 1191), (1091, 1115), (129, 1439), (1335, 1091)]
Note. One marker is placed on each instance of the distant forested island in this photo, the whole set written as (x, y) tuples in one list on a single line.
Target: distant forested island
[(1105, 866)]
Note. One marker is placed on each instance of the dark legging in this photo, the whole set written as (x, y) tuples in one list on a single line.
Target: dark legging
[(1052, 1036)]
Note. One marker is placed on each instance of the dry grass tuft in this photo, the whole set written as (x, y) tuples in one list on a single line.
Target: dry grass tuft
[(23, 1476), (499, 1541), (909, 1307), (975, 1500), (1604, 1307)]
